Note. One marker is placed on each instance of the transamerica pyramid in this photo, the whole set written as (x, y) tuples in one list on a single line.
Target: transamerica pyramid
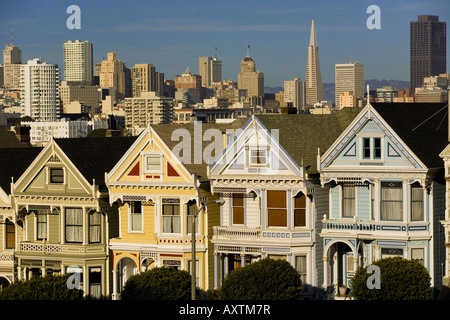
[(314, 89)]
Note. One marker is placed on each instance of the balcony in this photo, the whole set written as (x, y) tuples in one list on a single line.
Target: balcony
[(268, 235), (55, 249)]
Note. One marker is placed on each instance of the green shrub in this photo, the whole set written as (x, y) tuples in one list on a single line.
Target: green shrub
[(401, 279), (41, 288), (158, 284), (266, 279)]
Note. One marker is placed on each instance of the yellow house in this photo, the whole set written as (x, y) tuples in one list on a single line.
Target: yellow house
[(159, 184), (61, 203)]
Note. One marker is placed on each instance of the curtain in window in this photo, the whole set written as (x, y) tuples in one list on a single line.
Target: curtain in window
[(300, 210), (94, 227), (300, 265), (391, 201), (238, 209), (348, 201), (171, 218), (191, 212), (276, 208), (74, 225), (416, 202), (136, 215), (41, 218)]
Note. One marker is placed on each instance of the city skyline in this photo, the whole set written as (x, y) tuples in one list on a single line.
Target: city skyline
[(173, 37)]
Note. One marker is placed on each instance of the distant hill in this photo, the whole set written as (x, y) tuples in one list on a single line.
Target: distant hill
[(328, 88)]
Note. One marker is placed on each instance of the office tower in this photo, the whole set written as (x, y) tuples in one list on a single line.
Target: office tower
[(148, 107), (143, 79), (12, 59), (349, 77), (314, 88), (251, 80), (189, 81), (39, 90), (85, 94), (427, 49), (112, 75), (159, 76), (294, 94), (78, 61), (210, 69), (97, 69)]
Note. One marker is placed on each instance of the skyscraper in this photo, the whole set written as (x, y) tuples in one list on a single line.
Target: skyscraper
[(12, 59), (427, 49), (39, 90), (210, 69), (78, 61), (349, 77), (112, 75), (251, 80), (143, 79), (294, 93), (314, 88)]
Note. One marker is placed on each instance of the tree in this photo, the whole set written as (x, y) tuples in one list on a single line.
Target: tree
[(49, 287), (400, 279), (266, 279), (163, 283)]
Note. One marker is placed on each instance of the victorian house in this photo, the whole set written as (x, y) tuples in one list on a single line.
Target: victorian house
[(386, 190), (13, 162), (62, 213), (160, 184), (268, 178)]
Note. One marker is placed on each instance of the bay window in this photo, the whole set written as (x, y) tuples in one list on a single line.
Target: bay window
[(391, 201), (276, 208), (171, 216)]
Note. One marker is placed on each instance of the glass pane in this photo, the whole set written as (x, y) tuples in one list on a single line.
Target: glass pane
[(277, 218)]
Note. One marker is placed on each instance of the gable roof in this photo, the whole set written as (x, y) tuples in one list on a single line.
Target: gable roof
[(14, 162), (165, 131), (422, 126), (95, 156), (301, 134)]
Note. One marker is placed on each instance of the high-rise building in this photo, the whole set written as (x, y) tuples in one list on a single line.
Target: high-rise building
[(12, 59), (143, 79), (210, 69), (189, 81), (39, 90), (294, 94), (349, 77), (314, 88), (112, 75), (428, 49), (251, 80), (79, 61)]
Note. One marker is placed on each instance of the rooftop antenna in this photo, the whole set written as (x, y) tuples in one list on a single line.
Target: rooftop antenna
[(12, 37), (248, 48)]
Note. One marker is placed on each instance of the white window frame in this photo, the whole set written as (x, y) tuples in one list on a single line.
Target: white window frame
[(256, 149), (145, 157), (371, 138), (130, 218)]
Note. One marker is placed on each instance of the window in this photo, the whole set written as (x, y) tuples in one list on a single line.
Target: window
[(300, 266), (10, 235), (56, 175), (238, 208), (371, 148), (74, 225), (348, 201), (191, 212), (276, 208), (300, 210), (416, 202), (391, 201), (95, 282), (417, 254), (153, 163), (41, 221), (95, 227), (135, 216), (171, 215), (258, 157)]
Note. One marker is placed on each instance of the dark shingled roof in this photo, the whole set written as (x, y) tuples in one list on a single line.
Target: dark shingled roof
[(165, 131), (422, 126), (13, 163), (95, 156), (301, 134), (8, 140)]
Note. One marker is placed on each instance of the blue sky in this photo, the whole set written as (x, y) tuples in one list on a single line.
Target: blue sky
[(173, 34)]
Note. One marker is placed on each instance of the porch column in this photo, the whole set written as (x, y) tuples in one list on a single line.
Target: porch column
[(326, 266), (19, 273), (115, 295), (216, 270), (242, 259)]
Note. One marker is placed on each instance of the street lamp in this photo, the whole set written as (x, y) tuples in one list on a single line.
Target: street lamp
[(203, 205)]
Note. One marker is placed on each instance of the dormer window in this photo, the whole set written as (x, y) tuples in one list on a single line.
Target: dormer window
[(258, 157)]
